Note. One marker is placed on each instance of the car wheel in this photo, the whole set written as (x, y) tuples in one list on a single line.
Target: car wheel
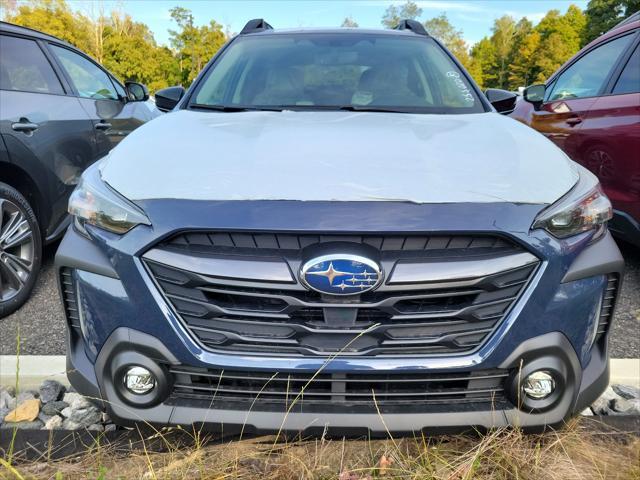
[(20, 250)]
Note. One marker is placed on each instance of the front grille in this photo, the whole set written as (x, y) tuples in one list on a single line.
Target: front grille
[(232, 315), (69, 297), (608, 304), (364, 391), (223, 242)]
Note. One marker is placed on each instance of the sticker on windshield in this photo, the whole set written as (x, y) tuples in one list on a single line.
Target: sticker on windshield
[(465, 92)]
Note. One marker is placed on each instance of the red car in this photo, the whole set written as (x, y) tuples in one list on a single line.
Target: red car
[(590, 108)]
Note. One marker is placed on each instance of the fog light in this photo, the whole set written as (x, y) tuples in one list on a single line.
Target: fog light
[(139, 380), (539, 385)]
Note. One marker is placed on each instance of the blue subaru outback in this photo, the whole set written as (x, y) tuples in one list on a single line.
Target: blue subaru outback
[(336, 230)]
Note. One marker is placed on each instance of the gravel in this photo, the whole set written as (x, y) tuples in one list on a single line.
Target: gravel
[(624, 341), (54, 408), (73, 412), (79, 413), (50, 391), (40, 322), (42, 329)]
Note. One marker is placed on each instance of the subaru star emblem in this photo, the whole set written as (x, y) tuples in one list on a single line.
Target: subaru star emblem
[(341, 274)]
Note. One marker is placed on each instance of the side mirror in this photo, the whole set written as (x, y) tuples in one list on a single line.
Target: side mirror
[(502, 100), (168, 98), (535, 94), (137, 91)]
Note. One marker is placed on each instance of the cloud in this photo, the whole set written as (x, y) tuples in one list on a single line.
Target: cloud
[(535, 17)]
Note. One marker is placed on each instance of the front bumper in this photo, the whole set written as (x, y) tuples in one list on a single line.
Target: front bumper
[(552, 326)]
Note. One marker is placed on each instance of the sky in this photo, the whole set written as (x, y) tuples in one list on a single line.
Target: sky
[(473, 17)]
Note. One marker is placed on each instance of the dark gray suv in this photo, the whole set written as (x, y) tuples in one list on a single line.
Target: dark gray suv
[(59, 112)]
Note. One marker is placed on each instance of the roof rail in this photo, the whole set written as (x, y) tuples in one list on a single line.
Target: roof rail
[(413, 25), (256, 25)]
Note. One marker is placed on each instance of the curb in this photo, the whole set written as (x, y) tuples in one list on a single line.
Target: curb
[(33, 369), (36, 368)]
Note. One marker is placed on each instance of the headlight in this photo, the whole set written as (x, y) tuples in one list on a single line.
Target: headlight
[(93, 202), (584, 208)]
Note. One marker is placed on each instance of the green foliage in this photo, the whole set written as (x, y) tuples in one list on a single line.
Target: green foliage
[(125, 47), (560, 38), (504, 31), (407, 11), (349, 22), (55, 17), (131, 53), (523, 69), (194, 46), (483, 54), (439, 27), (519, 54), (603, 15)]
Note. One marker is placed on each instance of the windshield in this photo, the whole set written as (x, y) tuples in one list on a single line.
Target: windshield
[(328, 71)]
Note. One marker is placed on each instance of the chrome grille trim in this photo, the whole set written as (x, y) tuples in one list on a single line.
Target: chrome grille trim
[(441, 317), (224, 267), (425, 272)]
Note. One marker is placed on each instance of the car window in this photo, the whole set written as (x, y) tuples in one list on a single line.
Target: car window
[(90, 80), (586, 77), (326, 71), (629, 81), (24, 67), (119, 88)]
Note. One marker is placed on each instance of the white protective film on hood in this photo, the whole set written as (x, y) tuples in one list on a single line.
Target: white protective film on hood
[(339, 156)]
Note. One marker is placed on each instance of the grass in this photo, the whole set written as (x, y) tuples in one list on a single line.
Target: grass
[(576, 452)]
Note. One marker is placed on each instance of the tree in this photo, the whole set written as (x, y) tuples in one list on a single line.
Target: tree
[(55, 18), (524, 69), (194, 45), (131, 53), (504, 30), (603, 15), (554, 52), (349, 22), (439, 27), (483, 55), (560, 38), (408, 11)]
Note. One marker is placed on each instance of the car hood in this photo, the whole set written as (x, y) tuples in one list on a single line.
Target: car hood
[(339, 156)]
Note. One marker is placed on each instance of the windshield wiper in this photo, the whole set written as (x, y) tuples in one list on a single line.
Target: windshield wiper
[(365, 108), (348, 108), (235, 108), (280, 108)]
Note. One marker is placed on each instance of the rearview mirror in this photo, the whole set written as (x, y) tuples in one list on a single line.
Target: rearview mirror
[(535, 93), (168, 98), (502, 100), (137, 91)]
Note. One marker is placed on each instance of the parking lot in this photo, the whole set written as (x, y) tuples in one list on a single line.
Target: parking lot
[(40, 323)]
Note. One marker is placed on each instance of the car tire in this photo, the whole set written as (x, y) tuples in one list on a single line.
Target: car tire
[(20, 250)]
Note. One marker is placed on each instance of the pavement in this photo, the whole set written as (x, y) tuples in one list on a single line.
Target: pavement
[(38, 327)]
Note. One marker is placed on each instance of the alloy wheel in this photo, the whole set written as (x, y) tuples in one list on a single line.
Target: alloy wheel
[(16, 250)]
